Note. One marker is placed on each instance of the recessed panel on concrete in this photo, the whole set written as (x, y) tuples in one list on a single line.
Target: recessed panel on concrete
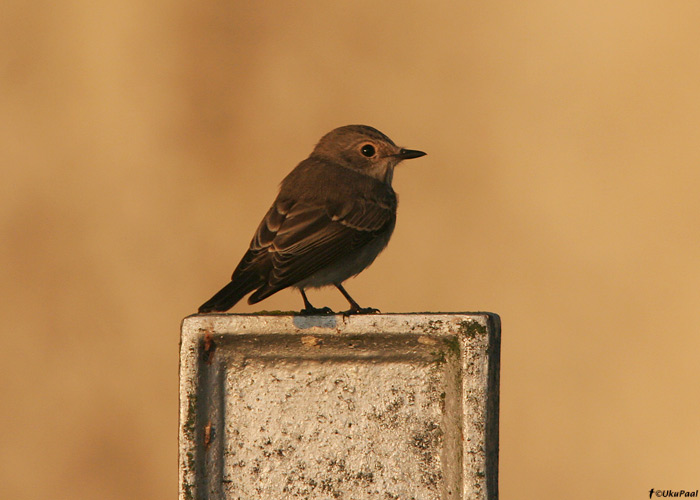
[(386, 406)]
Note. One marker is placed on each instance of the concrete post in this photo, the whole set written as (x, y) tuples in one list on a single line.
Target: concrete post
[(385, 406)]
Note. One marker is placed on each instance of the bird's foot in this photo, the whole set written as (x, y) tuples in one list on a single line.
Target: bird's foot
[(309, 311), (360, 310)]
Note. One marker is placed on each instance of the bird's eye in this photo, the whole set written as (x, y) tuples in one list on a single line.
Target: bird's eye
[(368, 150)]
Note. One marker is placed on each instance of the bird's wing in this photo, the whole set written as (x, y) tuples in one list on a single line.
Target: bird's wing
[(302, 238)]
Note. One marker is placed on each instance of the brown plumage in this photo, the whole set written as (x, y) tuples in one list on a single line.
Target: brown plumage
[(334, 214)]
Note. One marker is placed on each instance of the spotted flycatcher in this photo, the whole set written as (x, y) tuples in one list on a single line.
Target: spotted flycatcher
[(334, 214)]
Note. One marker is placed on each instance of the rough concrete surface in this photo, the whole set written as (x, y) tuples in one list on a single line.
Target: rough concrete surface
[(386, 406)]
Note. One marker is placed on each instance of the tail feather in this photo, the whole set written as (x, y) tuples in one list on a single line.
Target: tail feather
[(262, 293), (228, 296)]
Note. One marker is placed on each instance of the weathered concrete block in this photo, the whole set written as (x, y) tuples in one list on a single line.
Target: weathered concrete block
[(386, 406)]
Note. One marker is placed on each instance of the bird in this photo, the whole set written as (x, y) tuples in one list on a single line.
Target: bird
[(334, 214)]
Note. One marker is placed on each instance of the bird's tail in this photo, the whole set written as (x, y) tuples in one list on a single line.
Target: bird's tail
[(227, 297)]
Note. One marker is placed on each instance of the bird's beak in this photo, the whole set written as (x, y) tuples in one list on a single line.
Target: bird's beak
[(407, 154)]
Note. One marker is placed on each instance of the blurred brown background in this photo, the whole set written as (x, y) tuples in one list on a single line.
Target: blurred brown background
[(142, 142)]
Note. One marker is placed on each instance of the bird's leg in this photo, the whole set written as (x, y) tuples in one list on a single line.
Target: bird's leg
[(354, 306), (309, 309)]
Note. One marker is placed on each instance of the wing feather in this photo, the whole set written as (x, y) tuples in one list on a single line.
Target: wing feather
[(310, 239)]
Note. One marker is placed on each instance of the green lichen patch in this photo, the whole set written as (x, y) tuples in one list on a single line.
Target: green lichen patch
[(434, 325), (190, 422), (187, 490), (274, 313), (452, 344), (471, 329)]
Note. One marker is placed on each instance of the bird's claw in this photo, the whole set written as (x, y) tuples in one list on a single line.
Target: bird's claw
[(360, 310), (308, 311)]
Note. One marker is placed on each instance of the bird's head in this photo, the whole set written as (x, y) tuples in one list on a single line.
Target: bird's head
[(364, 149)]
